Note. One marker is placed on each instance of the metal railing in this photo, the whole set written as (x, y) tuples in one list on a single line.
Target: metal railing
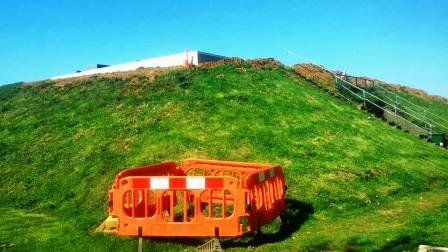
[(366, 98), (398, 107), (417, 110)]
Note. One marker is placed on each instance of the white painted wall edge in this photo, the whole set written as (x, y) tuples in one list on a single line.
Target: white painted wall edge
[(165, 61)]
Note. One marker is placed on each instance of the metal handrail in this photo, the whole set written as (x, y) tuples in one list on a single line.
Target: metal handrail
[(417, 106), (383, 109), (427, 121), (376, 97)]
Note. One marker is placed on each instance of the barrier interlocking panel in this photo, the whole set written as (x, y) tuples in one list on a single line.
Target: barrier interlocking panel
[(199, 198)]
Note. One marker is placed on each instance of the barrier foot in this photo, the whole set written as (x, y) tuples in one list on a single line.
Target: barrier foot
[(284, 219), (109, 225), (140, 244), (212, 245), (258, 235)]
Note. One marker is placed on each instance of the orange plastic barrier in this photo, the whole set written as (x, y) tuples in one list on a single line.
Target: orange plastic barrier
[(199, 198)]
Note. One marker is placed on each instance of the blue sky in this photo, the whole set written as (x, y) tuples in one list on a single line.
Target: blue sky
[(398, 41)]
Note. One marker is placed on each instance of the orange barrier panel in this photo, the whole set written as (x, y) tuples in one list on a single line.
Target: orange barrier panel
[(199, 198)]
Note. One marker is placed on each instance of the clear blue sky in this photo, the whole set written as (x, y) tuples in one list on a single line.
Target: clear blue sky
[(397, 41)]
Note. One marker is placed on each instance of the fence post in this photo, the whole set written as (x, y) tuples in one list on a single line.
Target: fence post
[(395, 105), (424, 119), (337, 83), (364, 98), (395, 114)]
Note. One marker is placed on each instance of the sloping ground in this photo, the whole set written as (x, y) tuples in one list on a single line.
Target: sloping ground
[(418, 113), (354, 183), (318, 76)]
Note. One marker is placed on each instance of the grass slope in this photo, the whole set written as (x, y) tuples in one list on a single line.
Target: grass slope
[(354, 183)]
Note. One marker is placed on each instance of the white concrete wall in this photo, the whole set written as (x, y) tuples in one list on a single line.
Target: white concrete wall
[(166, 61)]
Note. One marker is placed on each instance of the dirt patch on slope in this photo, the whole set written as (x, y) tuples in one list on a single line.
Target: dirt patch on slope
[(317, 75)]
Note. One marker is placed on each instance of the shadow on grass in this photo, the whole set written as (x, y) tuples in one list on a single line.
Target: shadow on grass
[(407, 242), (357, 244), (296, 214)]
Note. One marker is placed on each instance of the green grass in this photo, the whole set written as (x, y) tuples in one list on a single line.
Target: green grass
[(354, 183)]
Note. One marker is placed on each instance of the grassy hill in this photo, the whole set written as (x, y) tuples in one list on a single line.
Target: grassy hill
[(354, 183)]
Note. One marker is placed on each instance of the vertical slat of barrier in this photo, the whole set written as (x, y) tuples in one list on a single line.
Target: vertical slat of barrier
[(172, 192), (277, 194), (263, 195), (271, 191), (123, 203), (279, 187), (159, 206), (146, 201), (274, 185), (266, 196), (246, 200), (185, 206), (197, 205), (256, 199), (133, 203), (224, 206), (210, 204), (251, 197)]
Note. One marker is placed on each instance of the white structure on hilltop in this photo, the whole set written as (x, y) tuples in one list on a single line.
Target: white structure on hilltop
[(185, 58)]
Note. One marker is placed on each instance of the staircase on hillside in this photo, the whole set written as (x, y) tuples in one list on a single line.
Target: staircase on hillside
[(395, 109), (378, 100), (429, 121)]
